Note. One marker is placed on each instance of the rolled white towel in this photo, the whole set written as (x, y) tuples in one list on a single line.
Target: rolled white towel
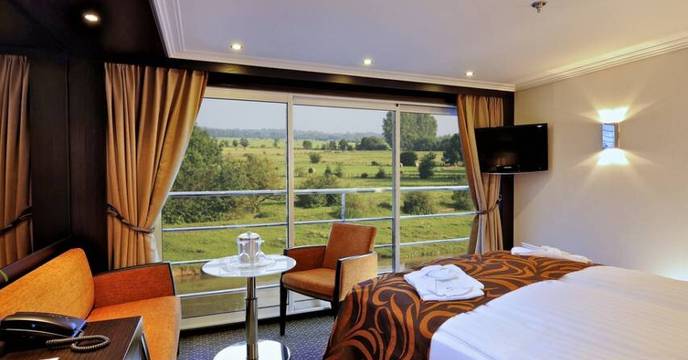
[(547, 251), (444, 283)]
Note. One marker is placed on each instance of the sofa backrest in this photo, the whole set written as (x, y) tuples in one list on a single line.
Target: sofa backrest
[(63, 285)]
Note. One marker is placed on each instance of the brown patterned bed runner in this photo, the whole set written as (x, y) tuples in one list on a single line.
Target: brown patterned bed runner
[(384, 318)]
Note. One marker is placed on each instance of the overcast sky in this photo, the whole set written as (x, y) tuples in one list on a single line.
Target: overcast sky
[(235, 114)]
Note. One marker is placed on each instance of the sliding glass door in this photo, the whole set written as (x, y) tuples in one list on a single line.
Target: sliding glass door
[(435, 203), (342, 172), (233, 179), (288, 166)]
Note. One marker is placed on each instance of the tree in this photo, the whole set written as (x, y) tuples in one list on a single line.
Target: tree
[(251, 173), (275, 142), (307, 144), (343, 145), (380, 173), (206, 168), (243, 142), (202, 163), (452, 150), (338, 171), (414, 126), (332, 145), (418, 203), (314, 157), (424, 144), (235, 143), (408, 158), (318, 200), (461, 200), (425, 168), (200, 170), (372, 143)]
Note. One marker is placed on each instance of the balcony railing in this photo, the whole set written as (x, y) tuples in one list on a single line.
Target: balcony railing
[(342, 218)]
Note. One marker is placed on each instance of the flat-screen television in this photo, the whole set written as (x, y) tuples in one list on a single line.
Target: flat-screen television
[(512, 149)]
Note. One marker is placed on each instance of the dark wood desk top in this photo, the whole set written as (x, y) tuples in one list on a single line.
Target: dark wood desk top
[(126, 336)]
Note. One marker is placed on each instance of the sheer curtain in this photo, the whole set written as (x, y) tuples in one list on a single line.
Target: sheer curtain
[(476, 112), (15, 184), (151, 114)]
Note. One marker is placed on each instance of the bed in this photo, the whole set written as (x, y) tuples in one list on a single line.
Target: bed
[(384, 318), (602, 313)]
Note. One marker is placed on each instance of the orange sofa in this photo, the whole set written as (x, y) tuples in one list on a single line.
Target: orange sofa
[(65, 285)]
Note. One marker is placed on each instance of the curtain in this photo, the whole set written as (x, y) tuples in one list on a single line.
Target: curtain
[(15, 185), (151, 113), (476, 112)]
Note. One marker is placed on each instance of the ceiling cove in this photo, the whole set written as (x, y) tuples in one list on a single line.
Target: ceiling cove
[(535, 56)]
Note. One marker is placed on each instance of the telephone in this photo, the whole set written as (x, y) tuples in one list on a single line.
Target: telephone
[(30, 329)]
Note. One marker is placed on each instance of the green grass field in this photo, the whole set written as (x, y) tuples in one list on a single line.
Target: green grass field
[(194, 245)]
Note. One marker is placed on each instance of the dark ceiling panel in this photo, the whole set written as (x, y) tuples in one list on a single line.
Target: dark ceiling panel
[(19, 31), (127, 27)]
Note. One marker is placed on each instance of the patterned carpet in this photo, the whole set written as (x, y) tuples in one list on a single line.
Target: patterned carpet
[(306, 338)]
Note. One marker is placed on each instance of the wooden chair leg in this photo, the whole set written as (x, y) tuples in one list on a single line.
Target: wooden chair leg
[(334, 304), (283, 309)]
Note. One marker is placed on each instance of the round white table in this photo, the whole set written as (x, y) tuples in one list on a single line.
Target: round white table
[(252, 347)]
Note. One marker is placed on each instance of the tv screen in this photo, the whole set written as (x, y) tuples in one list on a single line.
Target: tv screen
[(512, 149)]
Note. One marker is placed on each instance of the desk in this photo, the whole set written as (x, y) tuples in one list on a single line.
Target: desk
[(126, 336), (252, 347)]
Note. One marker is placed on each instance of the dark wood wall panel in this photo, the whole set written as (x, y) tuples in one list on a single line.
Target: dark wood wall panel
[(49, 136), (87, 157), (507, 185)]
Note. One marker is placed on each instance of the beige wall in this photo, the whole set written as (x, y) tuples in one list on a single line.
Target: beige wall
[(633, 215)]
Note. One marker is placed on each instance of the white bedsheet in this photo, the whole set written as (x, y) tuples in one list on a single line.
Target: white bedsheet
[(601, 312)]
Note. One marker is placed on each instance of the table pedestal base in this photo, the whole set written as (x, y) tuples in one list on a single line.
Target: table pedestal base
[(267, 349)]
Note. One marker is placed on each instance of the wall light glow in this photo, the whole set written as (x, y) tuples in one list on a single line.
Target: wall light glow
[(614, 115), (612, 156)]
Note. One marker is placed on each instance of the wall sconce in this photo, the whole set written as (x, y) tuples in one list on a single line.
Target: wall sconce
[(610, 126), (610, 135)]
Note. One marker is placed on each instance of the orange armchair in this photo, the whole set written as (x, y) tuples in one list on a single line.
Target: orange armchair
[(328, 272)]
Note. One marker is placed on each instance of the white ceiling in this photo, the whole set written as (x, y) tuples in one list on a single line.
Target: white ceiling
[(505, 42)]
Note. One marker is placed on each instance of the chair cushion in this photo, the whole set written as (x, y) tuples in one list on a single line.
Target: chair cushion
[(318, 281), (161, 321), (63, 285), (348, 240)]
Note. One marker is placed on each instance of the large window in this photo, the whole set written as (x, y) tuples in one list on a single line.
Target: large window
[(343, 172), (288, 166)]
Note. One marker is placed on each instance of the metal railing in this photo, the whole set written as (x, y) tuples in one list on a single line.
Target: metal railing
[(342, 192), (342, 213)]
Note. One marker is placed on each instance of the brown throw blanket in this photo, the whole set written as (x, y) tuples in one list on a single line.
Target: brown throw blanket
[(384, 318)]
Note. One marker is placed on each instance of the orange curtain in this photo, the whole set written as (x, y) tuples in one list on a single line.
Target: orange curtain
[(151, 113), (476, 112), (15, 186)]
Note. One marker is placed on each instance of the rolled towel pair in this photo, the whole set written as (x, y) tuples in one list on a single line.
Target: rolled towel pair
[(444, 283), (547, 251)]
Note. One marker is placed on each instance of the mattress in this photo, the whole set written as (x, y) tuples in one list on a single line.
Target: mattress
[(384, 318), (601, 312)]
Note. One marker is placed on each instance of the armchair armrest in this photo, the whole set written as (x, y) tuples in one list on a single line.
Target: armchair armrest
[(133, 283), (307, 257), (353, 270)]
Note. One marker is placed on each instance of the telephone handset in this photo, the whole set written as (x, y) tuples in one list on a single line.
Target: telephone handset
[(26, 329)]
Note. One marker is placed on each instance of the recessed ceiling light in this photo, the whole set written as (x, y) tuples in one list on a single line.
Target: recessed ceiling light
[(90, 17), (367, 61), (470, 74), (236, 46)]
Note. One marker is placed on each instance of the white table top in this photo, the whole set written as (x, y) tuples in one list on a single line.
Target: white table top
[(230, 267)]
